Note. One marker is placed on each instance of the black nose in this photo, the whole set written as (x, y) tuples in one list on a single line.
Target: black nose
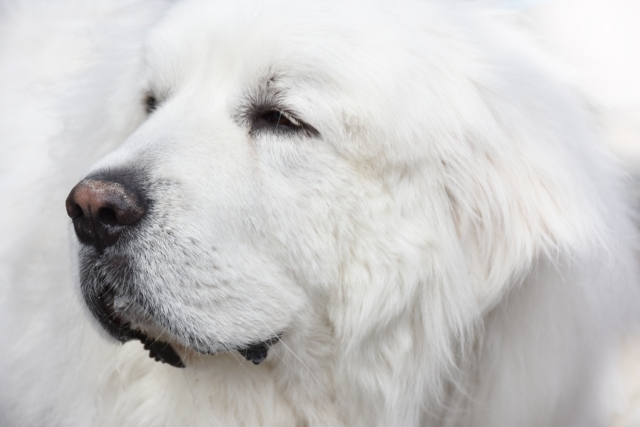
[(102, 209)]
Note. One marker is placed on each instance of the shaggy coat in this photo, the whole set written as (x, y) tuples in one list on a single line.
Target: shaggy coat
[(406, 196)]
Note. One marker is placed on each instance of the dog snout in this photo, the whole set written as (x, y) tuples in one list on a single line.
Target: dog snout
[(101, 209)]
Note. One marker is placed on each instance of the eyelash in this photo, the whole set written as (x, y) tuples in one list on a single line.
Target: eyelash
[(150, 104), (276, 120)]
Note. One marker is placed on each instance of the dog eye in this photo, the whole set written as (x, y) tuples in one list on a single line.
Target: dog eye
[(150, 104), (279, 121), (276, 119)]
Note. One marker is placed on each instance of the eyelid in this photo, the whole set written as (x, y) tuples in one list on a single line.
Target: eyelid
[(284, 112), (289, 116), (254, 111), (161, 95), (150, 102), (255, 116)]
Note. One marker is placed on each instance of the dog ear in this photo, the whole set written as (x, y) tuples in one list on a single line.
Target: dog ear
[(525, 191)]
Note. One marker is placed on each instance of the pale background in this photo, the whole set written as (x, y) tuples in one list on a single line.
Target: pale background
[(600, 41)]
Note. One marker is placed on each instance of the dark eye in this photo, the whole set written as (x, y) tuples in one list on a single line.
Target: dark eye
[(281, 122), (150, 104), (277, 118)]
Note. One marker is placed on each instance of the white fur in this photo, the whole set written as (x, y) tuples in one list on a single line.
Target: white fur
[(453, 249)]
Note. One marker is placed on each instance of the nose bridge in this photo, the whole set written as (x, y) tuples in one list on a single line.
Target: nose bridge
[(190, 135), (194, 134), (140, 150), (201, 108)]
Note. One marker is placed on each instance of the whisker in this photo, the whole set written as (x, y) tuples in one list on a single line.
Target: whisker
[(230, 350), (291, 351), (184, 372)]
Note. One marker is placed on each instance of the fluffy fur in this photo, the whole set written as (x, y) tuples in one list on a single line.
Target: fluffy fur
[(446, 242)]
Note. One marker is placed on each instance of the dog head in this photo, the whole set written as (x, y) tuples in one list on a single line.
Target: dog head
[(292, 159)]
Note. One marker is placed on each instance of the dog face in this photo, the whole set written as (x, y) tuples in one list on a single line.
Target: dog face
[(284, 167), (229, 212)]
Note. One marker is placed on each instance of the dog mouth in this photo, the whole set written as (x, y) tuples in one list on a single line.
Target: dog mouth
[(159, 350), (162, 351), (123, 331), (257, 353)]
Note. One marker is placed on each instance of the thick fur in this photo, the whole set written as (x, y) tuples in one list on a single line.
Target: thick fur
[(446, 242)]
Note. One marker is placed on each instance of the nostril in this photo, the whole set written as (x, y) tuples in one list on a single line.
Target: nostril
[(74, 210), (108, 216)]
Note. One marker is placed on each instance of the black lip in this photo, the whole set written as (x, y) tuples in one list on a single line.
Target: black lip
[(159, 350), (103, 310), (257, 353), (97, 274)]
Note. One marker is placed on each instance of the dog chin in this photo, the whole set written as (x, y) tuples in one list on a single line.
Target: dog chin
[(170, 353), (123, 318)]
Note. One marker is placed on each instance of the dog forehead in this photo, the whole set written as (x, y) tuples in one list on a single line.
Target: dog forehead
[(226, 40), (342, 65)]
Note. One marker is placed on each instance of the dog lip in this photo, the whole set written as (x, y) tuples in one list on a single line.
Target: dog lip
[(257, 353), (112, 321), (115, 324), (159, 350), (109, 311)]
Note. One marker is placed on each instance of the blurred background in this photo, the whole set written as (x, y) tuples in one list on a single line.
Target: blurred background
[(600, 42)]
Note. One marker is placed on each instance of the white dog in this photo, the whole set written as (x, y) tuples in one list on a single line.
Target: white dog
[(394, 210)]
